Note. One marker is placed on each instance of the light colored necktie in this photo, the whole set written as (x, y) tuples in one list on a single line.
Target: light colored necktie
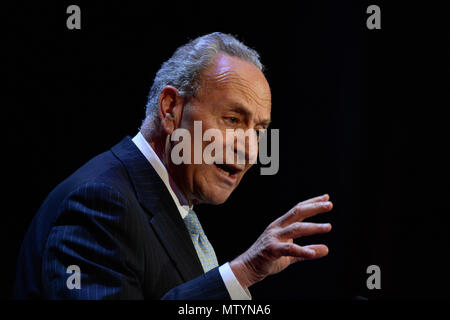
[(203, 247)]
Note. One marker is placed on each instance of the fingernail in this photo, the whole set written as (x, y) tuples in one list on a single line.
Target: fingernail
[(310, 251)]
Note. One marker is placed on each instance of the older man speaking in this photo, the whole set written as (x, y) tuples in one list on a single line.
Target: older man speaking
[(123, 225)]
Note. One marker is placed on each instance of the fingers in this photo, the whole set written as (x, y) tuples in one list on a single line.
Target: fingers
[(320, 251), (290, 249), (324, 197), (303, 211), (299, 253), (300, 229)]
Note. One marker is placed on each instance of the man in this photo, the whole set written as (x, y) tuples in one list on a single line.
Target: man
[(123, 225)]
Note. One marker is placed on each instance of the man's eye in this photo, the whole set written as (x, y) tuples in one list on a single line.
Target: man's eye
[(232, 120)]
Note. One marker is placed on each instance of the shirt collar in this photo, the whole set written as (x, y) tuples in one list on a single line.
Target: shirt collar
[(146, 149)]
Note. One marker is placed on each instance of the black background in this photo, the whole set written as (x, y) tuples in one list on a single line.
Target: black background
[(361, 113)]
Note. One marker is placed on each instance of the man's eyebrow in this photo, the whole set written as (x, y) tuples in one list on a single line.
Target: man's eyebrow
[(241, 109), (265, 123)]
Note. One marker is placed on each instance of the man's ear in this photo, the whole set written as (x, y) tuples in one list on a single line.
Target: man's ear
[(170, 108)]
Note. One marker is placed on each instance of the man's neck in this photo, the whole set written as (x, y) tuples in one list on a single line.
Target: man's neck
[(162, 150)]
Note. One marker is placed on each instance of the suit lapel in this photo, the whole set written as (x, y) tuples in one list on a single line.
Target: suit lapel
[(156, 199)]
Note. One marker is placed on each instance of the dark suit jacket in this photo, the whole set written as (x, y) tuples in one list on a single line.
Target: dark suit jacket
[(115, 219)]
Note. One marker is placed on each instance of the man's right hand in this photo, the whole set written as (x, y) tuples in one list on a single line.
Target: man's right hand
[(275, 250)]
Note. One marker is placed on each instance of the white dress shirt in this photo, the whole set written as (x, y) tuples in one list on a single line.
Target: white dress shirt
[(231, 283)]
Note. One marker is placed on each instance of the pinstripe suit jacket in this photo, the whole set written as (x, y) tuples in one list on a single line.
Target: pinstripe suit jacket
[(116, 221)]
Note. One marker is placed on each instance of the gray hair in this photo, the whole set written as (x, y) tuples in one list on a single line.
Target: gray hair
[(184, 68)]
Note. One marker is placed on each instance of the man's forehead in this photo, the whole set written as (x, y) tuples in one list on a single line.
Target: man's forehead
[(241, 76)]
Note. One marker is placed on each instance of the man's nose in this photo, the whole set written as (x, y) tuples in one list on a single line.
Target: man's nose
[(246, 147)]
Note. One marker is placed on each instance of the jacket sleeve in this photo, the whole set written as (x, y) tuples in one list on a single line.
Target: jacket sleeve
[(208, 286)]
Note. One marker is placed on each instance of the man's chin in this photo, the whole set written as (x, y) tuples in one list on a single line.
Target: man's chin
[(216, 198), (217, 201)]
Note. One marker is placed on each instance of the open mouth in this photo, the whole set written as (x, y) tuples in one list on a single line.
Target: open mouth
[(228, 169)]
